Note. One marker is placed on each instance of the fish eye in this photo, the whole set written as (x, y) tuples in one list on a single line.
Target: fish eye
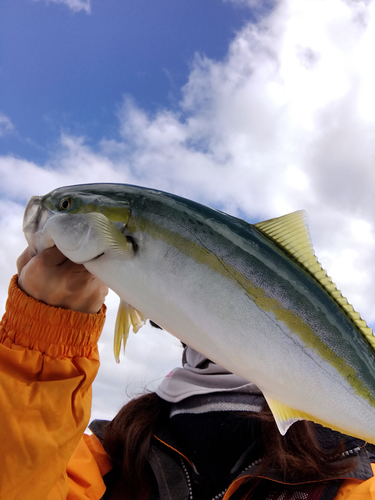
[(65, 204)]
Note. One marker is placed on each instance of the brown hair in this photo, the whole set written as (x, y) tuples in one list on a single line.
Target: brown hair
[(128, 437), (299, 451)]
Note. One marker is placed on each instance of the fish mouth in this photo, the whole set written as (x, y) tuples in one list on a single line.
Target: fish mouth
[(35, 216), (31, 215)]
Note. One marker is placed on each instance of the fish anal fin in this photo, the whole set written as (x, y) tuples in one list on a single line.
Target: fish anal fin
[(126, 316), (290, 232), (285, 416)]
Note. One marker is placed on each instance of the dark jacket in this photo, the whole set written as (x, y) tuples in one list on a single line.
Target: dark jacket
[(175, 477)]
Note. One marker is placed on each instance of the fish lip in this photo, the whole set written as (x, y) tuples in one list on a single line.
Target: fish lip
[(35, 215), (31, 215)]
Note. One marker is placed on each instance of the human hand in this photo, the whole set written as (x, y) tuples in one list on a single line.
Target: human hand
[(55, 280)]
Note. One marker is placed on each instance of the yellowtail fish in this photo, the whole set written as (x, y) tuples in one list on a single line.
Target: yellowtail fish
[(252, 298)]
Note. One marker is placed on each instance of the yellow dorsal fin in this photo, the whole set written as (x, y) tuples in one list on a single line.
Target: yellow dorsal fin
[(126, 316), (290, 232)]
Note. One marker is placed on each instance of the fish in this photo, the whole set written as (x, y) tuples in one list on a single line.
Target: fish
[(253, 298)]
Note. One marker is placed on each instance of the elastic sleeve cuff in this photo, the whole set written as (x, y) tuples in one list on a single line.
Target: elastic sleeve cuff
[(57, 332)]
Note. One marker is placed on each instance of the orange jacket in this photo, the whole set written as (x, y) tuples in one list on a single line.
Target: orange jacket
[(48, 361)]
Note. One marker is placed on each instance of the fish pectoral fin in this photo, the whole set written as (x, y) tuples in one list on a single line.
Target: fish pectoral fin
[(126, 316), (285, 416), (118, 242)]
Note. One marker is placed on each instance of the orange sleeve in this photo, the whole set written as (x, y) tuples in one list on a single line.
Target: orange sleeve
[(48, 361), (88, 464), (353, 489)]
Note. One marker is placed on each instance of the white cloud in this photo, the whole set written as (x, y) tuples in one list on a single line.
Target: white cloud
[(286, 121), (6, 126), (74, 5)]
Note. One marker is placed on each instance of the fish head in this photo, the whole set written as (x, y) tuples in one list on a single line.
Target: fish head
[(93, 225), (84, 223)]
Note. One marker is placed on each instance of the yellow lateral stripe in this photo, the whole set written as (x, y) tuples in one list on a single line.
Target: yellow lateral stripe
[(292, 320)]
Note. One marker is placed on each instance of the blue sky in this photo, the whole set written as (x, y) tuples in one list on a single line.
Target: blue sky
[(257, 113), (65, 70)]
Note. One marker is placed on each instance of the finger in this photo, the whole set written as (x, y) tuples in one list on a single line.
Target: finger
[(23, 259), (52, 257)]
